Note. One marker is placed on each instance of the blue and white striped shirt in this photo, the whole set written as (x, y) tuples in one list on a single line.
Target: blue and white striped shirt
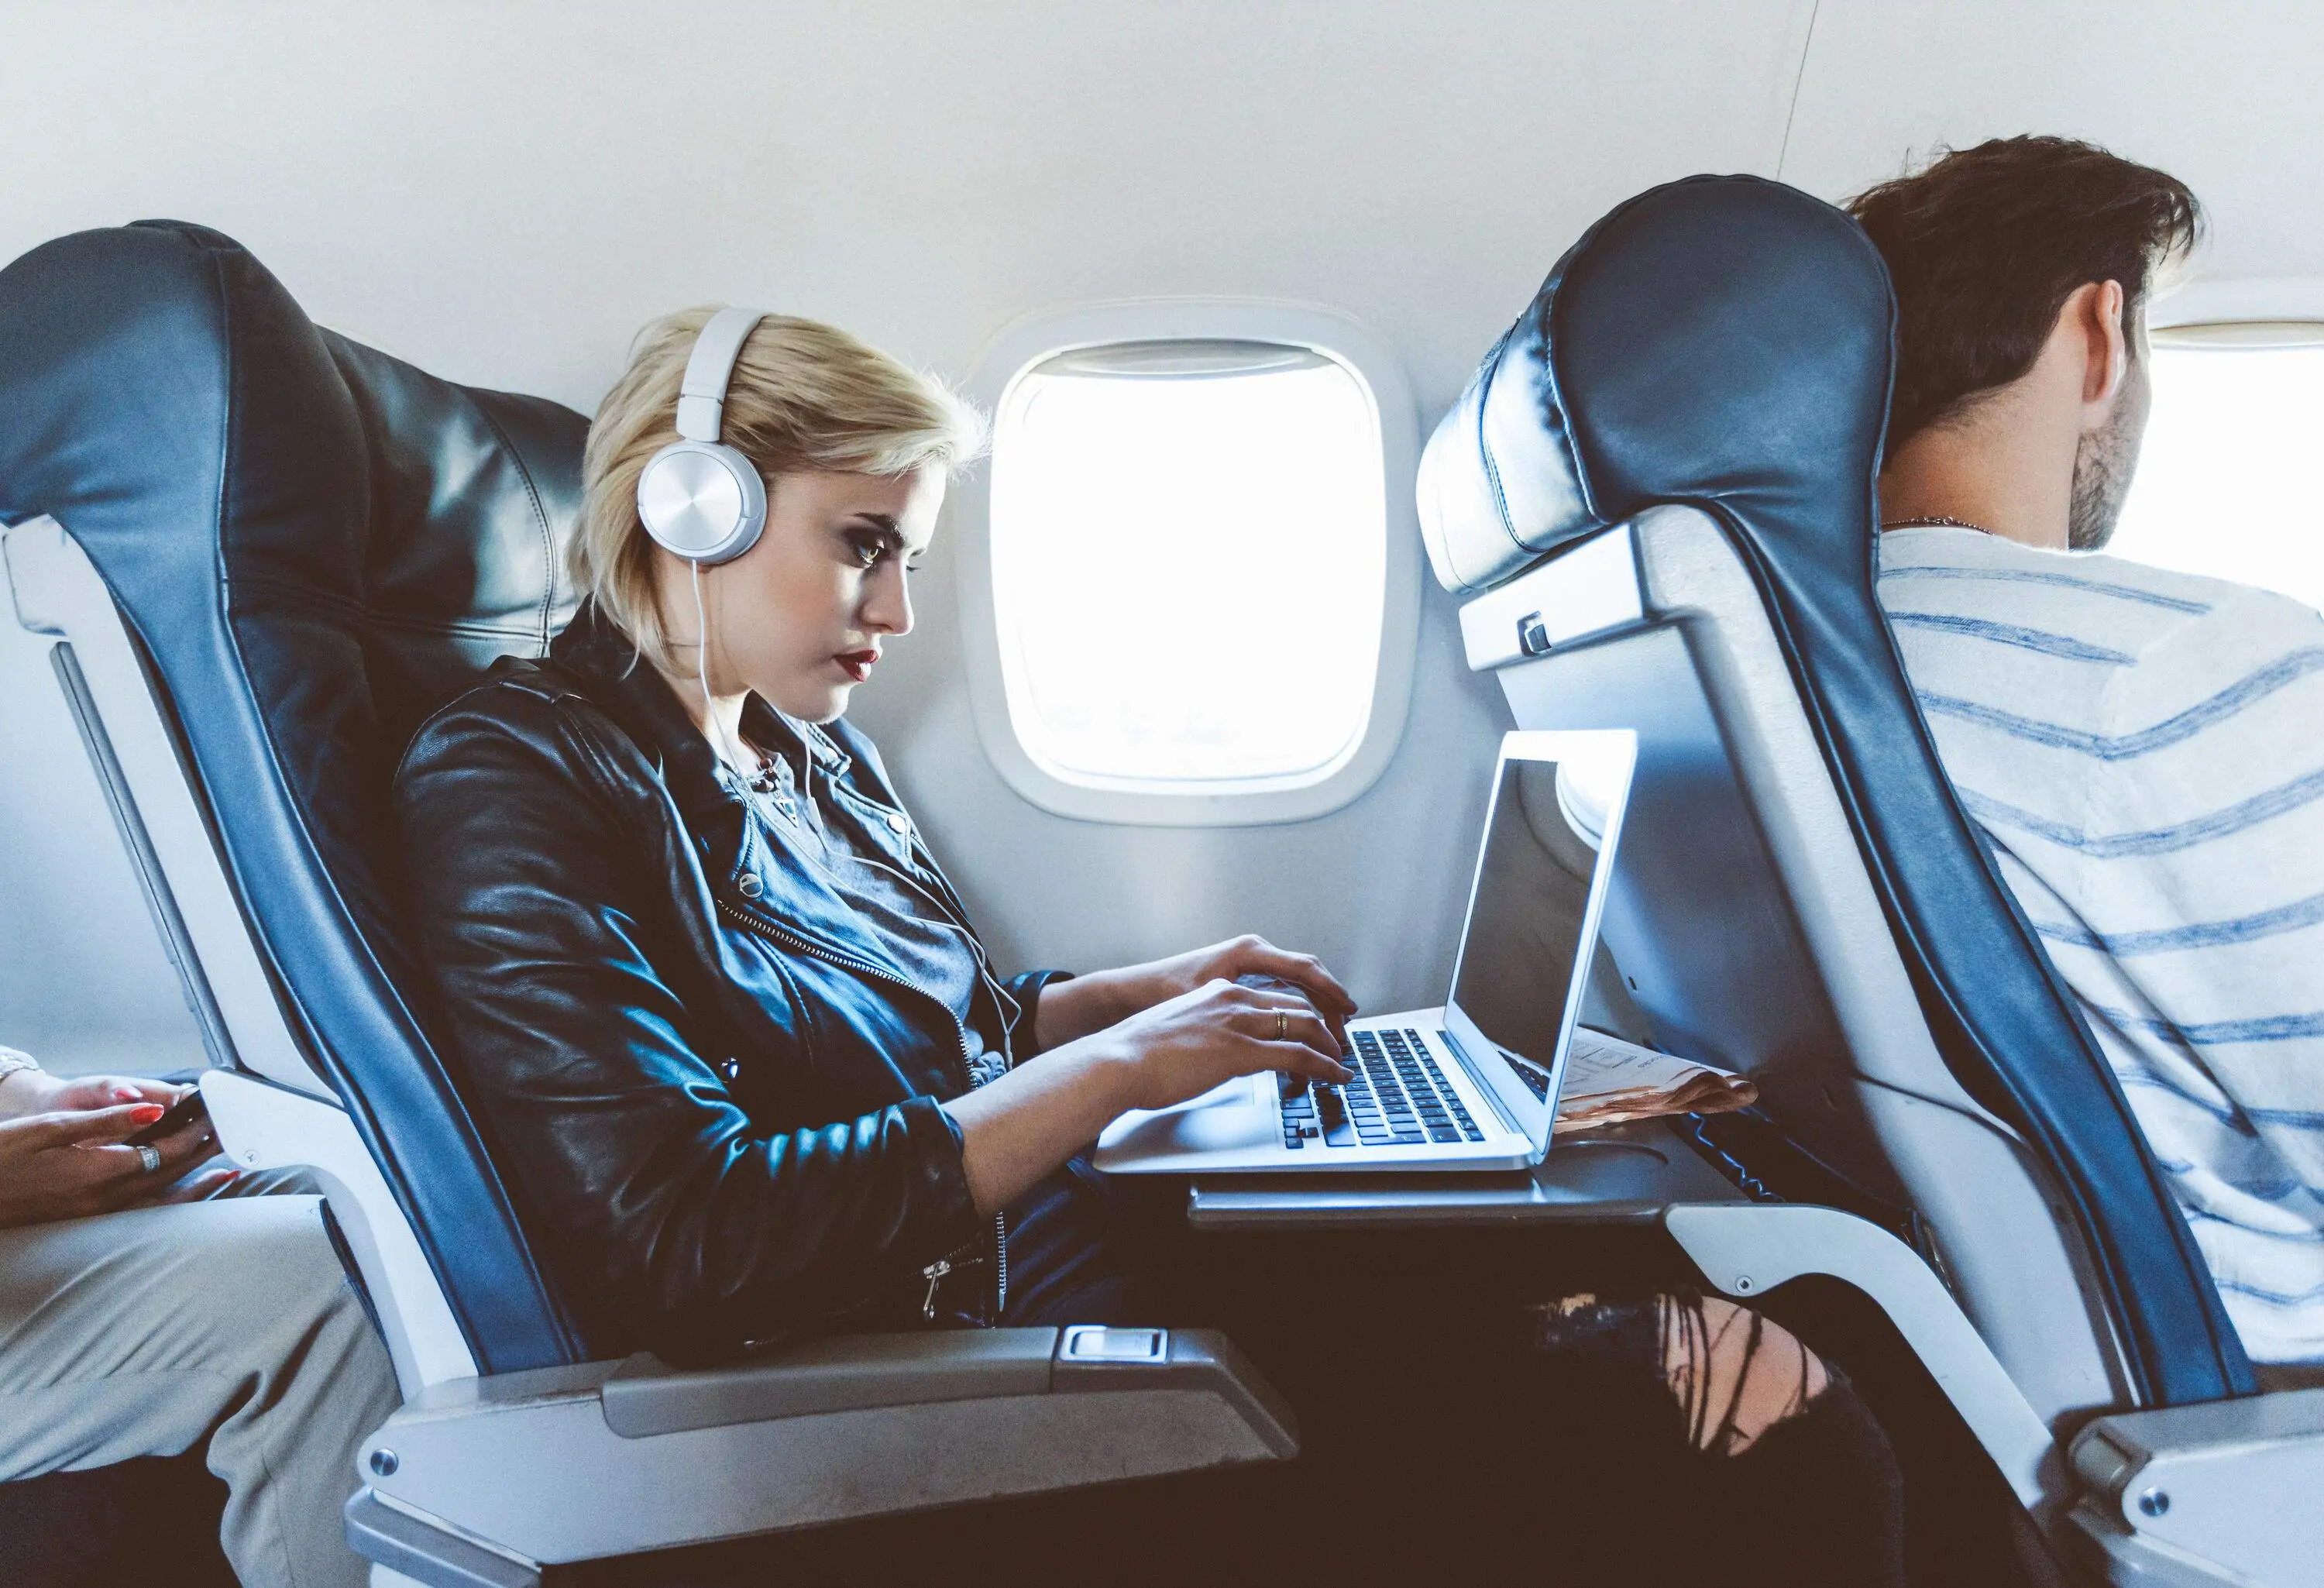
[(2145, 752)]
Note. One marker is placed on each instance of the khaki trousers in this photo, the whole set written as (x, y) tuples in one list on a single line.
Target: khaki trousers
[(144, 1333)]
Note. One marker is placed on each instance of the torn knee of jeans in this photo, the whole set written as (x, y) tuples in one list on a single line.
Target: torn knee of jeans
[(1734, 1373)]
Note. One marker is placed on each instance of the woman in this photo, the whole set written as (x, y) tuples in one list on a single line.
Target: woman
[(752, 1075)]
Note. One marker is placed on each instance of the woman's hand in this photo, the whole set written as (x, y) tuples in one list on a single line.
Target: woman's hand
[(31, 1091), (1017, 1128), (1183, 1046), (71, 1163), (1070, 1011)]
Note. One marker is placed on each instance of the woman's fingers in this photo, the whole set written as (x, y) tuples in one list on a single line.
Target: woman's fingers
[(1221, 1029), (198, 1186), (1304, 970), (1257, 956), (89, 1128), (82, 1154), (1298, 1058), (107, 1166), (174, 1154), (184, 1147), (1295, 1037), (106, 1090), (1293, 1022)]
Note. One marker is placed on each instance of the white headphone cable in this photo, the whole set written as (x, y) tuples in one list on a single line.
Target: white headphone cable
[(719, 744)]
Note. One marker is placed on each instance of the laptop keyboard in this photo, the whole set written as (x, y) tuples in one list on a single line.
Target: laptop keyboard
[(1397, 1098)]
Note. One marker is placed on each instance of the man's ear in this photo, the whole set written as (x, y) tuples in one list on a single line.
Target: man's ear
[(2107, 363)]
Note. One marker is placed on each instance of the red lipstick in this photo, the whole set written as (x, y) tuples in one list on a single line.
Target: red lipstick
[(857, 664)]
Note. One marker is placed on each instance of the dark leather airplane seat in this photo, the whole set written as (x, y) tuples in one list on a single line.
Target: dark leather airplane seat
[(314, 544)]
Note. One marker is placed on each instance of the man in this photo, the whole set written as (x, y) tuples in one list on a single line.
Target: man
[(141, 1315), (2144, 749)]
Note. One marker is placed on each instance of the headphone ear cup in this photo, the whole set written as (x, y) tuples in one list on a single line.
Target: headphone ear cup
[(702, 501)]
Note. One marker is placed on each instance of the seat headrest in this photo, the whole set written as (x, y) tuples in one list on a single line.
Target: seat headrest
[(1715, 340), (165, 365)]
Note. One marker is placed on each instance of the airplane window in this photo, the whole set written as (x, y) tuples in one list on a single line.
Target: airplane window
[(1189, 545), (2226, 482)]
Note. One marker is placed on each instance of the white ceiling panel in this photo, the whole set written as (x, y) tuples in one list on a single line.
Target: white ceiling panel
[(504, 192), (2222, 94)]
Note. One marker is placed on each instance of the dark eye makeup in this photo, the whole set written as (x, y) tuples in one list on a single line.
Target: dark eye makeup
[(872, 544)]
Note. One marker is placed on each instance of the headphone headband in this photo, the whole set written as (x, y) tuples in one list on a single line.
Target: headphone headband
[(702, 394)]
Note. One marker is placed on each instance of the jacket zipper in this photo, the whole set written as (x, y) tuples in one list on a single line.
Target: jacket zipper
[(936, 1271)]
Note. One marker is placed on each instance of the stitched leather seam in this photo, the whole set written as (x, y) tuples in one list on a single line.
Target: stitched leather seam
[(540, 521), (1484, 448), (348, 607)]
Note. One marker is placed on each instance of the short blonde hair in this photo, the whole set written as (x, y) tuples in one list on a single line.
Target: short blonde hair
[(804, 396)]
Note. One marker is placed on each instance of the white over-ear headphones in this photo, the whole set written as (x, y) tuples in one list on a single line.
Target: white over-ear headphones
[(698, 497)]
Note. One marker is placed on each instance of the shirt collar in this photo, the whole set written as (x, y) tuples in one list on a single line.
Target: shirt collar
[(635, 692)]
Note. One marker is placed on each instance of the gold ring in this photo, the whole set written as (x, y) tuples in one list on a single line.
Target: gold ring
[(1282, 1024)]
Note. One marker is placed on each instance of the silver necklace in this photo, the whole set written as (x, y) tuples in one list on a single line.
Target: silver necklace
[(1934, 520)]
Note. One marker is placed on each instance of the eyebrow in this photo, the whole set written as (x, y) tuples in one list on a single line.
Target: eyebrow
[(890, 530)]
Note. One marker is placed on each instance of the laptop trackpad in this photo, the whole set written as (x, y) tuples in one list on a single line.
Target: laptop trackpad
[(1235, 1116)]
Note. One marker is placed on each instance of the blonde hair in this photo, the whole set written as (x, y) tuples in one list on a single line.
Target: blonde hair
[(804, 396)]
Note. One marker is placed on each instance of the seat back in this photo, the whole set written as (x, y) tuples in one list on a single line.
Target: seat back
[(312, 545), (1709, 368)]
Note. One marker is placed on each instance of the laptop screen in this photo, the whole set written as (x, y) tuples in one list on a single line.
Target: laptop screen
[(1533, 918)]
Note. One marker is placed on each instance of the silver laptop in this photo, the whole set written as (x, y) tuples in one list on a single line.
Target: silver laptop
[(1473, 1084)]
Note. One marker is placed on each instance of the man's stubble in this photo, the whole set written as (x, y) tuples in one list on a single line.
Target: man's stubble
[(2105, 464)]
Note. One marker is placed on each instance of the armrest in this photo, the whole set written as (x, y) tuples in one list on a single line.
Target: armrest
[(2224, 1492), (645, 1397), (619, 1458)]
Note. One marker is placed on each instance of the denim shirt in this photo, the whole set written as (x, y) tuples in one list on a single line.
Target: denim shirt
[(862, 851)]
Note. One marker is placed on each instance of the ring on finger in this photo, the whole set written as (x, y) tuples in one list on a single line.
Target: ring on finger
[(1282, 1024), (150, 1157)]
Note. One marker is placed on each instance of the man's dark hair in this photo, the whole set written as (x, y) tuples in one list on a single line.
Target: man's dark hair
[(1986, 245)]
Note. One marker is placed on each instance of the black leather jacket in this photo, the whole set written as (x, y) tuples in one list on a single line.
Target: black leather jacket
[(714, 1095)]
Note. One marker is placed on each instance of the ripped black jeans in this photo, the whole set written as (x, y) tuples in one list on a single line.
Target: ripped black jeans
[(1476, 1401), (1473, 1407)]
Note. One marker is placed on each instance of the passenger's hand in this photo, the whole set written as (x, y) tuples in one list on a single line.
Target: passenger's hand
[(1074, 1009), (210, 1180), (32, 1092), (73, 1163), (1022, 1125), (1183, 1046)]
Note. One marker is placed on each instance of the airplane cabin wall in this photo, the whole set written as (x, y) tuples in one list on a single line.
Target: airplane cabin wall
[(504, 194)]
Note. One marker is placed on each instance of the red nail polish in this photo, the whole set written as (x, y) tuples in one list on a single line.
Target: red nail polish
[(147, 1114)]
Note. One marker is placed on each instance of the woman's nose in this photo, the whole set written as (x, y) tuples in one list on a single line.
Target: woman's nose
[(888, 601)]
